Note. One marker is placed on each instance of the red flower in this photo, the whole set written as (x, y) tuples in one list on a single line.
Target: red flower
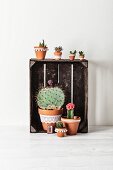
[(70, 106)]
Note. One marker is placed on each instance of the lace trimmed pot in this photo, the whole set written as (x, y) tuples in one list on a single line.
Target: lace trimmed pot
[(40, 52), (57, 55), (71, 124), (49, 117), (61, 132)]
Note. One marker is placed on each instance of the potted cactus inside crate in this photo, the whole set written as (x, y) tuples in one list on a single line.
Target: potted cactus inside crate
[(81, 55), (41, 50), (58, 52), (60, 129), (71, 122), (50, 101), (72, 55)]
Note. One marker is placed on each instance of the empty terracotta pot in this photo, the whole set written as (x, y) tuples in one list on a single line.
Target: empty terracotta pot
[(61, 132), (71, 124), (40, 52), (49, 117)]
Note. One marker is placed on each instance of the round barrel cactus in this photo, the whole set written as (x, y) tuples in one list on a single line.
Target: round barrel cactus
[(50, 98)]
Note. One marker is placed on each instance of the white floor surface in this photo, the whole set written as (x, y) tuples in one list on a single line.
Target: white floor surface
[(20, 150)]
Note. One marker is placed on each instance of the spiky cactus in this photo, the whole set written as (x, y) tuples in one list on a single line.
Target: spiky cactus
[(70, 110), (73, 52), (81, 53), (58, 49), (59, 124), (42, 44), (50, 98)]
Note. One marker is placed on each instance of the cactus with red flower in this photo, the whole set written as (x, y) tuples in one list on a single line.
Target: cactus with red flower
[(70, 110)]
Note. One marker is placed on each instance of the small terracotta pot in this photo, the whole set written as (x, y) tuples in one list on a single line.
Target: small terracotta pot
[(71, 124), (49, 117), (61, 132), (72, 57), (81, 57), (57, 55), (40, 52)]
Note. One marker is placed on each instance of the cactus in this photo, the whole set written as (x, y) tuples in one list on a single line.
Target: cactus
[(70, 114), (73, 52), (81, 53), (58, 49), (70, 110), (59, 124), (50, 98), (42, 44)]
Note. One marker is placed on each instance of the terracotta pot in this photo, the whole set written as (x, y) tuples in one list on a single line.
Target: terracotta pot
[(40, 52), (81, 57), (72, 57), (61, 132), (49, 117), (71, 124), (57, 55)]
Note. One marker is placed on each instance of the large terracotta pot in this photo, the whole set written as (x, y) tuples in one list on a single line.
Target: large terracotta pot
[(57, 55), (61, 132), (71, 124), (49, 117), (40, 52)]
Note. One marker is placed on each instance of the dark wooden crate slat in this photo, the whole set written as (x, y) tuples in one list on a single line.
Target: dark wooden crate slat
[(79, 94), (52, 72), (65, 82), (36, 83)]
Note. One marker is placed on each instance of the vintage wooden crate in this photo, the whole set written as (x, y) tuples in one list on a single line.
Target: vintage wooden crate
[(72, 76)]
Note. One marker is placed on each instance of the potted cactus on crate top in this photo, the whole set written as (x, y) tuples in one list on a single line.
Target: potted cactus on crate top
[(60, 129), (41, 50), (58, 52), (81, 55), (71, 122), (50, 101), (72, 55)]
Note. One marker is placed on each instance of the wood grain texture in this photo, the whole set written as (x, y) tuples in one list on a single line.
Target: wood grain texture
[(21, 150)]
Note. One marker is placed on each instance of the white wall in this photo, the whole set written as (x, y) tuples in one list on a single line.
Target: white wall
[(75, 24)]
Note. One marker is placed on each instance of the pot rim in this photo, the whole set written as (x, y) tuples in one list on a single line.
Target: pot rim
[(40, 47), (51, 112), (76, 119), (72, 55)]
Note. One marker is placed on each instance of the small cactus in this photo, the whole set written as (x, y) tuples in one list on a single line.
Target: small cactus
[(42, 44), (73, 52), (70, 110), (81, 53), (58, 49), (70, 114), (59, 124), (50, 98)]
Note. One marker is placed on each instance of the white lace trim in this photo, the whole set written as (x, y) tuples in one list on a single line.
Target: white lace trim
[(57, 57), (60, 130), (40, 49), (50, 119)]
